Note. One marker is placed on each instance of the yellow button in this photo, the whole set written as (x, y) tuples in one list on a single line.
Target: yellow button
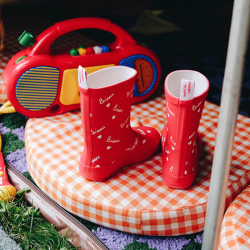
[(1, 173), (82, 51)]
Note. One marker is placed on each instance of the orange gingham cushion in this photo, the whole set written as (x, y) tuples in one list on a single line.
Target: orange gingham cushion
[(235, 229), (135, 200)]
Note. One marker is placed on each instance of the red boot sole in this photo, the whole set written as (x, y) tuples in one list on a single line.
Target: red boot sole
[(182, 182), (102, 173)]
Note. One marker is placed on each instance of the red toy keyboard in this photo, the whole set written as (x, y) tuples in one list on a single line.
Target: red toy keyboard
[(39, 83)]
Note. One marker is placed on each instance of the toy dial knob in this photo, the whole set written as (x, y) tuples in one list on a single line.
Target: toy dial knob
[(145, 74)]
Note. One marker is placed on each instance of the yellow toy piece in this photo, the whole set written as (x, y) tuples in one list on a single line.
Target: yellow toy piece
[(82, 51), (7, 108), (70, 90), (7, 192)]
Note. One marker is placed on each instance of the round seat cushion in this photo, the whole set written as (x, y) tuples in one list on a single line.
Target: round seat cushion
[(134, 200), (235, 229)]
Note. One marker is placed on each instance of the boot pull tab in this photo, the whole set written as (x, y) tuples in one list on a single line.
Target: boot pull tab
[(187, 90), (82, 77)]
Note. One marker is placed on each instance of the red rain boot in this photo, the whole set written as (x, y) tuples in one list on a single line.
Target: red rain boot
[(109, 141), (181, 142)]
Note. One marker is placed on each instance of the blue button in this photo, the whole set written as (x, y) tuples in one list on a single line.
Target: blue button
[(105, 48)]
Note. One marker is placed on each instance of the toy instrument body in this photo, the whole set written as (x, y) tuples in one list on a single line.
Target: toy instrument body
[(39, 83)]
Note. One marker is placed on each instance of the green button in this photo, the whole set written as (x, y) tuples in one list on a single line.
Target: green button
[(19, 59), (74, 52), (143, 44)]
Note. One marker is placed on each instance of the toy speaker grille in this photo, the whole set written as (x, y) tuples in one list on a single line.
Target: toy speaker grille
[(36, 89)]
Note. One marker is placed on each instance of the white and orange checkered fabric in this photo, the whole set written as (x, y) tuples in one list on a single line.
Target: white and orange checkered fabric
[(235, 229), (134, 200)]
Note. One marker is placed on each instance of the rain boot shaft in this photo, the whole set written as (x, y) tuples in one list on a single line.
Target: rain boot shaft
[(109, 141), (181, 142)]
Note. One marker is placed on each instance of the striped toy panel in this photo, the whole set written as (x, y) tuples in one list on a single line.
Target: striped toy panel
[(37, 88)]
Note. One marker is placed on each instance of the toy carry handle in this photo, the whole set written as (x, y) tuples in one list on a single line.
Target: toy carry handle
[(46, 38)]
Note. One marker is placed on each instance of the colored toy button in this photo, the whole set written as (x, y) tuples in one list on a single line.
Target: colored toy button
[(82, 51), (19, 59), (90, 50), (26, 39), (105, 48), (97, 49), (74, 52), (1, 173), (144, 44)]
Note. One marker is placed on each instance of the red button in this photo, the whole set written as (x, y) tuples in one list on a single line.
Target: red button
[(90, 50)]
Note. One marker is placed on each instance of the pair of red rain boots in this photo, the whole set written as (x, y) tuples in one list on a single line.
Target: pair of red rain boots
[(109, 141)]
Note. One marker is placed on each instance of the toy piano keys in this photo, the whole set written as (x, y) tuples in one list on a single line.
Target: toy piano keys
[(39, 83)]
